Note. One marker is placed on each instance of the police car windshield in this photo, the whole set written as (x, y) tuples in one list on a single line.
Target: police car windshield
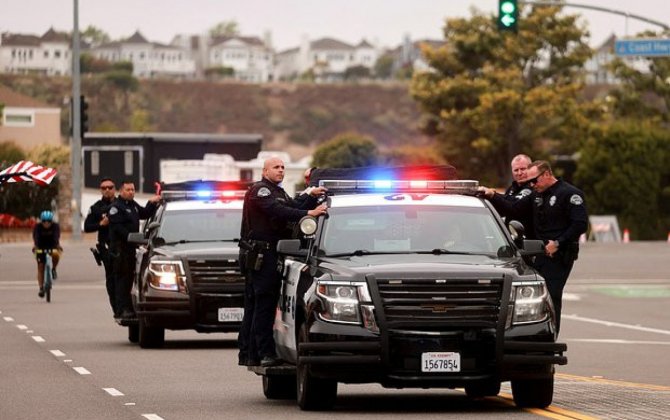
[(198, 225), (411, 229)]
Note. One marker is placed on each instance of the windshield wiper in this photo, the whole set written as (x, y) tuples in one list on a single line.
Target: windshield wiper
[(443, 251), (191, 241), (361, 252)]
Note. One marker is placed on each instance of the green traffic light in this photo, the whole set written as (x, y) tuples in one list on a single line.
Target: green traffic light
[(507, 7)]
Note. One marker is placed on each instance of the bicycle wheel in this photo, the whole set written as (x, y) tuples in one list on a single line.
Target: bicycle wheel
[(47, 277)]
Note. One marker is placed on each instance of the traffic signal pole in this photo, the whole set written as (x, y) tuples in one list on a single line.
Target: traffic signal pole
[(75, 145)]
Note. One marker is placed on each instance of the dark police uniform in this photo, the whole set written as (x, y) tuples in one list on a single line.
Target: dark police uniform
[(124, 218), (92, 224), (265, 216), (516, 192), (559, 214)]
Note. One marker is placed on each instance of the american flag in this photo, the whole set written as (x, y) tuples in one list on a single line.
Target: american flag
[(27, 171)]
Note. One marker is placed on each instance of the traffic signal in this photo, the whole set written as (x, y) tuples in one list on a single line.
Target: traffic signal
[(83, 115), (508, 15)]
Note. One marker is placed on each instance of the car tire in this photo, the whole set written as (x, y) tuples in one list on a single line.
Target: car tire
[(483, 389), (279, 387), (133, 333), (150, 337), (313, 394), (533, 393)]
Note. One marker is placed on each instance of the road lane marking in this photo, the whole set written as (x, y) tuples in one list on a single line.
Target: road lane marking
[(551, 412), (571, 296), (130, 403), (38, 339), (57, 353), (67, 360), (575, 317), (29, 331), (81, 370), (615, 341), (21, 327), (8, 318), (613, 382), (152, 417), (113, 392)]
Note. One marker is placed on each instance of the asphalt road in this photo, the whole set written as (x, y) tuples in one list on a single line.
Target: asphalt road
[(69, 360)]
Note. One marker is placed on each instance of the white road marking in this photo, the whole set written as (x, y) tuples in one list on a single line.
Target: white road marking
[(8, 318), (81, 370), (67, 360), (113, 392), (38, 339), (131, 403), (57, 353), (152, 417), (616, 324), (615, 341), (21, 327), (29, 331), (571, 296)]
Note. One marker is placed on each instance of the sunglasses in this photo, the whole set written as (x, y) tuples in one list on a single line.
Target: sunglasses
[(107, 187), (533, 181)]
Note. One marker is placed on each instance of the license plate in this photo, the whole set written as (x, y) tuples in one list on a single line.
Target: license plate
[(231, 314), (441, 362)]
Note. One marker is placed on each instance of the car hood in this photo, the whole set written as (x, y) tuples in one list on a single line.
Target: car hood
[(420, 265), (200, 249)]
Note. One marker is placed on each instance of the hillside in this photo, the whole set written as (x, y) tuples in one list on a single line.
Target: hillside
[(291, 117)]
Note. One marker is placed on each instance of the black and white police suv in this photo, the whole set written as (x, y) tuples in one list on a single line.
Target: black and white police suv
[(187, 270), (411, 284)]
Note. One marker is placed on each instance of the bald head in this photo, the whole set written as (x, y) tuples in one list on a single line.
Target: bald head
[(273, 170)]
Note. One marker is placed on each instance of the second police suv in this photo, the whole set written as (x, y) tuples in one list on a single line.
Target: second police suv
[(411, 283), (187, 273)]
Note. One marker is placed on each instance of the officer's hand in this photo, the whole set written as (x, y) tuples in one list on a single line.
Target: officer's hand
[(104, 221), (486, 192), (155, 199), (317, 191), (318, 211), (551, 247)]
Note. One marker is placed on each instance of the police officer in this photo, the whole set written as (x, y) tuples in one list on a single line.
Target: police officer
[(97, 220), (266, 212), (124, 217), (519, 189), (560, 217)]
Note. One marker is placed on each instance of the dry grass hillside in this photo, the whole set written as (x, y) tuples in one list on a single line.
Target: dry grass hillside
[(292, 117)]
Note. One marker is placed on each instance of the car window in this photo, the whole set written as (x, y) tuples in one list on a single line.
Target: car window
[(200, 225), (411, 229)]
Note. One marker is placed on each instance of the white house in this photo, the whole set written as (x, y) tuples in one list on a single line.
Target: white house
[(248, 56), (48, 54), (150, 59), (327, 57)]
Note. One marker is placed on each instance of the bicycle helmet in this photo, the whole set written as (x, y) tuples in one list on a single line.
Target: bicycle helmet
[(46, 216)]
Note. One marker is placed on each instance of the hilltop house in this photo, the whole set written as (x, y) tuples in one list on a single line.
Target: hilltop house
[(27, 121), (48, 54)]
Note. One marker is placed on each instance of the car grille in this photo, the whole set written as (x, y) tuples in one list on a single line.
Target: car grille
[(211, 276), (425, 304)]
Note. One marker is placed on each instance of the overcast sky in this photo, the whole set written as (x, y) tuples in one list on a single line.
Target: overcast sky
[(381, 21)]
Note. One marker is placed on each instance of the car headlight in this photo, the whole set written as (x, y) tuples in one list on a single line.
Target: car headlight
[(341, 302), (166, 275), (529, 301)]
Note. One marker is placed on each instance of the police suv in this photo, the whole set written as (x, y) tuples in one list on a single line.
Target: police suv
[(187, 270), (411, 284)]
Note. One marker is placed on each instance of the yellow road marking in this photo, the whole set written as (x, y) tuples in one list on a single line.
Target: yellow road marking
[(551, 412), (613, 382)]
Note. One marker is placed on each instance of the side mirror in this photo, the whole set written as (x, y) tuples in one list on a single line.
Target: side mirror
[(532, 247), (516, 230), (137, 238), (291, 247)]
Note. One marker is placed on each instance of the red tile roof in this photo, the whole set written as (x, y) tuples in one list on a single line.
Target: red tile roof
[(9, 97)]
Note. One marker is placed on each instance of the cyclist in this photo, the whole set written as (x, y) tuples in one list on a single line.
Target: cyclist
[(46, 235)]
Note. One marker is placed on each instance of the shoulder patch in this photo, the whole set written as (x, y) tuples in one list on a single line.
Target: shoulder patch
[(113, 210), (523, 193), (576, 200), (263, 192)]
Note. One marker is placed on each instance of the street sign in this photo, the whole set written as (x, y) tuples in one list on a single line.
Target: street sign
[(642, 47)]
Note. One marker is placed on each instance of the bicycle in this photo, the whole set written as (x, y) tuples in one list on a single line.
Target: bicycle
[(48, 271)]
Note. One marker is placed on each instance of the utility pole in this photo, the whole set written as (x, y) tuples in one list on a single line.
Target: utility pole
[(75, 145)]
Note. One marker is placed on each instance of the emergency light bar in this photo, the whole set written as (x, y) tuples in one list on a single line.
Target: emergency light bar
[(204, 190), (202, 195), (467, 187)]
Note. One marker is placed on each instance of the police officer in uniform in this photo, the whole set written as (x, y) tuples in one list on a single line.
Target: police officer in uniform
[(266, 215), (124, 217), (520, 188), (97, 220), (560, 217)]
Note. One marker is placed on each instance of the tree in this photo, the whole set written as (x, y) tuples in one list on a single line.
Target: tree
[(623, 171), (491, 95), (346, 150), (224, 28), (94, 36), (384, 66), (10, 153), (219, 72), (90, 64), (356, 73)]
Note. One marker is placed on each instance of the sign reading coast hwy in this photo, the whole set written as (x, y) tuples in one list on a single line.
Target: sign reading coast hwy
[(643, 47)]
